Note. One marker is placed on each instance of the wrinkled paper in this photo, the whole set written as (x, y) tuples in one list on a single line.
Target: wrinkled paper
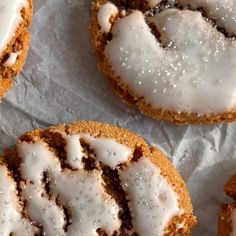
[(61, 83)]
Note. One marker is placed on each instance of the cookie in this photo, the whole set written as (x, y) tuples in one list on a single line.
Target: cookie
[(91, 179), (15, 18), (173, 60), (227, 218)]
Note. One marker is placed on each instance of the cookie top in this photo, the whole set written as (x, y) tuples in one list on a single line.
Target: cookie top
[(174, 61), (15, 18), (92, 179)]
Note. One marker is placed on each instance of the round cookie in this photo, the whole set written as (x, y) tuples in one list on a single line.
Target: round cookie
[(173, 60), (92, 179), (15, 18)]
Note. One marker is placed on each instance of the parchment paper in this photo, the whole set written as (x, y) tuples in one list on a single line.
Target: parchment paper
[(60, 83)]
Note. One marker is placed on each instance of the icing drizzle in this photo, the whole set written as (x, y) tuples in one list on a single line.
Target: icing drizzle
[(223, 11), (11, 219), (153, 201), (74, 151), (108, 151), (104, 15), (153, 3), (12, 59), (81, 192), (48, 189), (192, 69), (10, 18)]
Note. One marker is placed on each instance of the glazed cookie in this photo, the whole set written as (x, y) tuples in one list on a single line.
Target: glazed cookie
[(174, 60), (91, 179), (15, 18), (227, 219)]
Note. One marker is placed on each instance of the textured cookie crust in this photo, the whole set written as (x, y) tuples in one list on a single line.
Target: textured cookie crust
[(225, 218), (19, 43), (125, 92), (230, 187), (54, 139)]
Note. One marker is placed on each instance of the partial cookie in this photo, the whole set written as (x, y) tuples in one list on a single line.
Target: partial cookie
[(227, 218), (174, 60), (92, 179), (15, 18), (12, 220)]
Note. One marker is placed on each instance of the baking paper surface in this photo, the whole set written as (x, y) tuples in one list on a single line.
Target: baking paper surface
[(61, 83)]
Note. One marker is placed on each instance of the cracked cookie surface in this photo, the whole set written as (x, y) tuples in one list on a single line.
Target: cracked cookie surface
[(92, 179), (174, 60)]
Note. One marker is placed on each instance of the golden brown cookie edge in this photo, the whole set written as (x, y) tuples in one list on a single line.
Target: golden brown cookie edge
[(21, 35)]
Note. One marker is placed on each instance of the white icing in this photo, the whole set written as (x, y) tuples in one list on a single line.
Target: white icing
[(153, 3), (43, 211), (36, 160), (180, 226), (224, 11), (105, 13), (233, 215), (12, 59), (10, 18), (152, 199), (108, 151), (81, 192), (90, 206), (11, 220), (74, 151), (194, 73)]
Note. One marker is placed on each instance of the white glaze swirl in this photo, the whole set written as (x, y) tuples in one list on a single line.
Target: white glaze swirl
[(191, 70)]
